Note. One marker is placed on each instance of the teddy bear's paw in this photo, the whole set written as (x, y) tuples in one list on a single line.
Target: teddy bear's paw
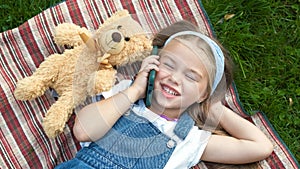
[(101, 81), (68, 34), (54, 122), (29, 88), (53, 127), (52, 131), (57, 116)]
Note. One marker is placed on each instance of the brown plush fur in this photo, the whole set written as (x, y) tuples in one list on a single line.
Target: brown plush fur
[(77, 73)]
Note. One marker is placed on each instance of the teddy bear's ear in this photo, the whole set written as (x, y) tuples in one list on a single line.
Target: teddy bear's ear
[(90, 42)]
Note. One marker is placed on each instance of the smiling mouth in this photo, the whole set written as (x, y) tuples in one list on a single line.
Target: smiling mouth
[(170, 90)]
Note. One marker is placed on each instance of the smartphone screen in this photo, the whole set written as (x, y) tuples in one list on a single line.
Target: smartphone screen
[(150, 85)]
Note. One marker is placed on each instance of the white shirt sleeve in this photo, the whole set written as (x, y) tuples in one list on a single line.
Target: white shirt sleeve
[(200, 141), (122, 85), (188, 152)]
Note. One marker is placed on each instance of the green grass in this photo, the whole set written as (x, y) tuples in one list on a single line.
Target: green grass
[(15, 13), (263, 38)]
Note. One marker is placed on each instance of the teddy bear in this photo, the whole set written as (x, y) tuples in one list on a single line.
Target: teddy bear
[(86, 68)]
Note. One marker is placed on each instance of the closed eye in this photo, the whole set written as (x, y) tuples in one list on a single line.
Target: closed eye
[(168, 65), (193, 77)]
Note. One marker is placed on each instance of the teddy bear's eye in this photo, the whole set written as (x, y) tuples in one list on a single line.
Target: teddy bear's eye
[(119, 26), (127, 39)]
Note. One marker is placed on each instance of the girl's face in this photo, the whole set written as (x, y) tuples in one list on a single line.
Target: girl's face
[(181, 80)]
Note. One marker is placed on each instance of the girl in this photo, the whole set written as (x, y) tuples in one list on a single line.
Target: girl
[(192, 72)]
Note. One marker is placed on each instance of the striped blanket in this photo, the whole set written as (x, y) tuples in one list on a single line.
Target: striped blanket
[(23, 143)]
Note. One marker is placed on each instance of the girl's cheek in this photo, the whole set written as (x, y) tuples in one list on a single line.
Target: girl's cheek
[(161, 75), (163, 72)]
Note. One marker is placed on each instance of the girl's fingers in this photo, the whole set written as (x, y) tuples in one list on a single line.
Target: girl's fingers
[(154, 59), (149, 67), (153, 56), (150, 60)]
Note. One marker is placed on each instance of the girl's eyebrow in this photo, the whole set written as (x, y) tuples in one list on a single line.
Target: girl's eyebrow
[(196, 73), (169, 57)]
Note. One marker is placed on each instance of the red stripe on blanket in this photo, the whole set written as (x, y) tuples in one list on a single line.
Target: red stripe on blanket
[(64, 151), (75, 13), (129, 6), (182, 7), (108, 9), (44, 31), (185, 11), (30, 44), (204, 19), (28, 113), (131, 9), (14, 126), (98, 15), (57, 13), (274, 161), (153, 14), (70, 124), (10, 119), (164, 7), (6, 70), (196, 167), (43, 143), (171, 12), (278, 142), (111, 6), (91, 11), (149, 16), (6, 150), (11, 45), (63, 143), (236, 103)]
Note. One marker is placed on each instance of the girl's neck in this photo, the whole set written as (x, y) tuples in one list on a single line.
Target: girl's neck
[(168, 118), (168, 114)]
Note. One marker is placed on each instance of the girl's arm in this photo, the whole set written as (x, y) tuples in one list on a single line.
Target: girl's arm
[(93, 121), (96, 119), (246, 144)]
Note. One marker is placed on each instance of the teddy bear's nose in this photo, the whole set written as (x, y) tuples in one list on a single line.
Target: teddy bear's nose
[(116, 37)]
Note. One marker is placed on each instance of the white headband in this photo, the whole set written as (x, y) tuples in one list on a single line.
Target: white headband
[(217, 52)]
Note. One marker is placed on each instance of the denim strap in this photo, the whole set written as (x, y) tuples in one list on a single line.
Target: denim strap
[(184, 125)]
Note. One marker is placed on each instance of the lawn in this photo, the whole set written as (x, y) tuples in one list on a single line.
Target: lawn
[(263, 38)]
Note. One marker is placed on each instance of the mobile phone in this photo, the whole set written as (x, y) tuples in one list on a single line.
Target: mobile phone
[(150, 85)]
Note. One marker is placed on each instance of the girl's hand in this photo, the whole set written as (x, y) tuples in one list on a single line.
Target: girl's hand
[(96, 119), (246, 142), (140, 83)]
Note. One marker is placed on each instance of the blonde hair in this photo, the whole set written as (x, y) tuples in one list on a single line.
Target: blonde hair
[(200, 111)]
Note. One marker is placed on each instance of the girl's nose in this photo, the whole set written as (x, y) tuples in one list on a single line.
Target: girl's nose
[(176, 77)]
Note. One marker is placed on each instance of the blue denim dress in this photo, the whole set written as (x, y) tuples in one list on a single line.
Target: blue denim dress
[(132, 143)]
